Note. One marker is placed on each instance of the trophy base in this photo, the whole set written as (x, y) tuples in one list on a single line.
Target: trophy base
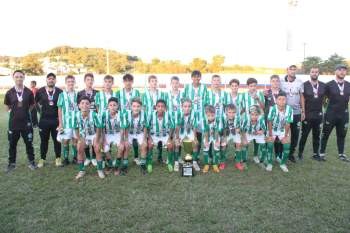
[(187, 170)]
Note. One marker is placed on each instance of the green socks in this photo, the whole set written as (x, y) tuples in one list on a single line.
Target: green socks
[(135, 146), (81, 166), (195, 155), (223, 155), (238, 156), (149, 157), (118, 162), (262, 152), (99, 165), (244, 152), (125, 163), (74, 151), (206, 157), (65, 151), (270, 147), (285, 154)]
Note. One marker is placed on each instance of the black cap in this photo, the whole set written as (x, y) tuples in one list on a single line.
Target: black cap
[(341, 66)]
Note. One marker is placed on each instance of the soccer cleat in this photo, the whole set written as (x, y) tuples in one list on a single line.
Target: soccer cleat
[(206, 168), (80, 175), (176, 166), (58, 162), (170, 168), (216, 169), (292, 158), (284, 168), (41, 163), (94, 162), (323, 157), (196, 166), (269, 167), (239, 166), (32, 166), (10, 167), (343, 158), (149, 168), (65, 162), (137, 161), (256, 159), (87, 162), (100, 174), (222, 166), (300, 156)]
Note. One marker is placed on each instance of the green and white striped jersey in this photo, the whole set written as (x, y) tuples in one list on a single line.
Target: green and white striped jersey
[(197, 95), (174, 105), (136, 125), (231, 125), (101, 100), (249, 127), (160, 127), (279, 119), (237, 101), (248, 100), (126, 97), (149, 100), (213, 129), (87, 126), (187, 124), (113, 125), (67, 102), (218, 100)]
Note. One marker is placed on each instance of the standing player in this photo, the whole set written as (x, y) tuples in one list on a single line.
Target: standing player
[(102, 97), (216, 97), (67, 108), (234, 97)]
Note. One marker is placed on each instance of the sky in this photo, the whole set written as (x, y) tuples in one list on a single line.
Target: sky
[(247, 32)]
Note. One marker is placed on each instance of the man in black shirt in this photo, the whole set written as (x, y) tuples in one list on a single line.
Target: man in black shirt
[(46, 98), (90, 93), (314, 94), (337, 114), (19, 101)]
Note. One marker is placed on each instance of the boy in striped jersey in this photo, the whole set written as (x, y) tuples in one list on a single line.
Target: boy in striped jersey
[(114, 124), (234, 97), (149, 100), (88, 131), (125, 95), (253, 130), (186, 129), (212, 127), (216, 96), (197, 92), (136, 132), (279, 119), (161, 130), (174, 99), (231, 134), (102, 97), (67, 108)]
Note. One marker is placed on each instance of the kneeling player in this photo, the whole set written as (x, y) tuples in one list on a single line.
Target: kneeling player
[(212, 128), (187, 123), (231, 133), (137, 131), (254, 129), (114, 124), (279, 119), (161, 128), (88, 133)]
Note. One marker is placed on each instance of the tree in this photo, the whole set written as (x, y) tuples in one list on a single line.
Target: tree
[(217, 64), (329, 65), (311, 62), (31, 65), (198, 64)]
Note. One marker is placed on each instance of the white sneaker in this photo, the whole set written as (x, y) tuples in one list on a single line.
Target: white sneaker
[(256, 159), (269, 167), (284, 168), (176, 166), (137, 161), (87, 162), (101, 174), (94, 162), (278, 159), (80, 175), (196, 166)]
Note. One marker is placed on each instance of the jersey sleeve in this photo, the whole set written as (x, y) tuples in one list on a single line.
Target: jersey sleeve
[(60, 101), (271, 114), (97, 120)]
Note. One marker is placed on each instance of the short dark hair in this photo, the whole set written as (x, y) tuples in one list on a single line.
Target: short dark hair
[(69, 77), (51, 75), (231, 107), (196, 73), (234, 81), (136, 100), (251, 80), (292, 66), (275, 76), (84, 98), (18, 71), (254, 108), (151, 77), (128, 77), (113, 99), (161, 101), (215, 76), (109, 77), (175, 78), (184, 100), (210, 109), (33, 82), (281, 93), (91, 75)]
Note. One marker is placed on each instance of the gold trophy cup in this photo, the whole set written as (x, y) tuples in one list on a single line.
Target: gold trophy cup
[(187, 167)]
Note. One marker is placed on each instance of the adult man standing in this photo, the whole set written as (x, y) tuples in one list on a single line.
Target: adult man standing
[(314, 93), (294, 89), (337, 113), (46, 98), (19, 101), (34, 112)]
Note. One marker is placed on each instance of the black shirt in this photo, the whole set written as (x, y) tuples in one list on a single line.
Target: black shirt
[(337, 103), (269, 100), (314, 103), (91, 97), (20, 118), (49, 109)]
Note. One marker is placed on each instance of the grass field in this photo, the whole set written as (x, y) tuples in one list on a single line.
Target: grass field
[(312, 197)]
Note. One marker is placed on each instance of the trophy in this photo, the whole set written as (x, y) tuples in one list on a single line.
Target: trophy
[(187, 166)]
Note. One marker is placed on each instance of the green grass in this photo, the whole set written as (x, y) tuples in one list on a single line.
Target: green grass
[(312, 197)]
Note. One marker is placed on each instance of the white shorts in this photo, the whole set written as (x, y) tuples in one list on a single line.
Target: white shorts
[(156, 140), (235, 138), (66, 134), (89, 140), (139, 138), (257, 138), (190, 136), (278, 134), (207, 148), (111, 139)]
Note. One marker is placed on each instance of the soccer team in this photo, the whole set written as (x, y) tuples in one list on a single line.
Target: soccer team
[(101, 127)]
